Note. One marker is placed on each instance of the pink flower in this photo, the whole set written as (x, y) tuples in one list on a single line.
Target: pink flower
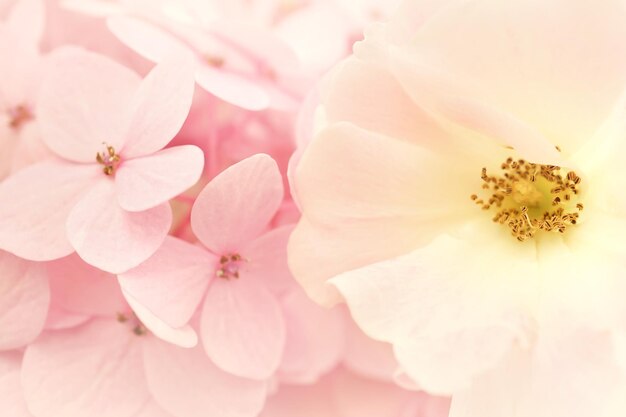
[(20, 35), (239, 272), (241, 64), (111, 364), (106, 195), (496, 280)]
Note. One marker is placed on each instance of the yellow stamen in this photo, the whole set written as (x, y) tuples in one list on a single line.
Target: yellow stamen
[(530, 198)]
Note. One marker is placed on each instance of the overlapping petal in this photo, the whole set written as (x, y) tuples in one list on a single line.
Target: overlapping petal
[(172, 282), (146, 182), (237, 205), (35, 204), (110, 238), (24, 301), (96, 369)]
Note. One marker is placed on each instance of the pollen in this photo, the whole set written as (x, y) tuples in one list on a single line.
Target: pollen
[(531, 198), (109, 159)]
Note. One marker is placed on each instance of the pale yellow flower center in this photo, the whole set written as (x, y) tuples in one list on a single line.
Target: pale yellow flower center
[(531, 198)]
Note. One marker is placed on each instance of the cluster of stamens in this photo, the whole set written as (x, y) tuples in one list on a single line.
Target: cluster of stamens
[(18, 116), (229, 266), (109, 159), (531, 197), (137, 327)]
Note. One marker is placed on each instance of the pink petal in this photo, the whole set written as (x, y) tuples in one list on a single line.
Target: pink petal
[(237, 205), (11, 397), (146, 39), (24, 299), (161, 105), (146, 182), (235, 313), (379, 208), (27, 18), (94, 370), (78, 287), (267, 260), (59, 319), (183, 336), (152, 409), (22, 78), (85, 101), (186, 384), (315, 339), (368, 357), (172, 282), (110, 238), (34, 206), (341, 394), (232, 88)]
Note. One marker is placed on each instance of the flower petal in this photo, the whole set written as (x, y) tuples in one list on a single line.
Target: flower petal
[(172, 282), (27, 18), (242, 328), (78, 287), (428, 307), (390, 200), (367, 357), (183, 336), (85, 101), (144, 183), (186, 384), (315, 339), (161, 105), (34, 206), (566, 95), (233, 88), (11, 396), (267, 260), (146, 39), (94, 370), (24, 300), (110, 238), (237, 205)]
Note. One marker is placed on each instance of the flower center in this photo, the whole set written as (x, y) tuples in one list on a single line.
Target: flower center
[(229, 266), (133, 322), (109, 159), (531, 198), (18, 116)]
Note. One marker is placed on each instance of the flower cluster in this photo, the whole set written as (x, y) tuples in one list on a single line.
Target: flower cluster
[(312, 208), (145, 214)]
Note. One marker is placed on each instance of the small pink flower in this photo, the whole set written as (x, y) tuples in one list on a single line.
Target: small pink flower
[(106, 194), (239, 272), (111, 364), (20, 35), (238, 63)]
